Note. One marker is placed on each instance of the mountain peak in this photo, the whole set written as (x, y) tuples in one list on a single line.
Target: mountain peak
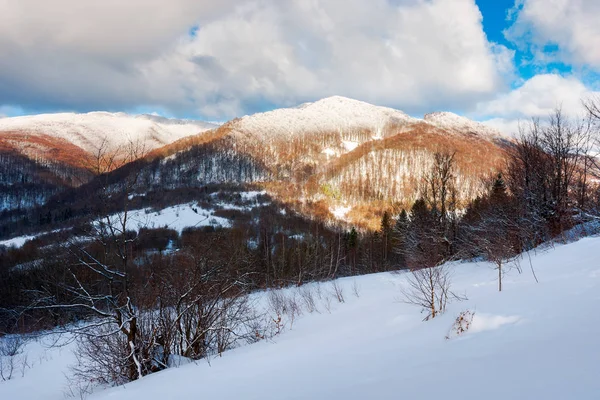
[(457, 123), (331, 114), (89, 130)]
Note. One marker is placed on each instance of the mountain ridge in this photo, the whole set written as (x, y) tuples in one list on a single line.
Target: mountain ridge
[(335, 152), (89, 130)]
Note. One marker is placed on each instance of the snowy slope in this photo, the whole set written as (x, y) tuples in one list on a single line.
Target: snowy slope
[(332, 114), (532, 341), (341, 114), (90, 130), (178, 217), (457, 124)]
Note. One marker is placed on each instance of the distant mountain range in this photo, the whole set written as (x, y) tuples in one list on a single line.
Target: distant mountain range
[(336, 153)]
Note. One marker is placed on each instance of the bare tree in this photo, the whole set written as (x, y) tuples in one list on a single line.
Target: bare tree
[(439, 185), (98, 282), (430, 289), (548, 173), (492, 229)]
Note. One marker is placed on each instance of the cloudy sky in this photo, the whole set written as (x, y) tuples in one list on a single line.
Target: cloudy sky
[(497, 60)]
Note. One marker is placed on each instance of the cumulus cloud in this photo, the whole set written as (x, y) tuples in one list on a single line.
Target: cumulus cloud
[(571, 26), (247, 55), (536, 98)]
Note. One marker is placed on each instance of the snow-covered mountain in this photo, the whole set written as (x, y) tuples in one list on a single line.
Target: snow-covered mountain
[(341, 152), (332, 114), (333, 150), (457, 124), (93, 130), (344, 115)]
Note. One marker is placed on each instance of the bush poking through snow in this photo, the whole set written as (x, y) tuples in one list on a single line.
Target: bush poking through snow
[(356, 289), (429, 288), (12, 359), (308, 298), (461, 325), (280, 305), (338, 292)]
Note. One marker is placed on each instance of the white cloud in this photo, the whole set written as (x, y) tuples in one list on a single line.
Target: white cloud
[(570, 24), (107, 30), (537, 97), (510, 127), (413, 54)]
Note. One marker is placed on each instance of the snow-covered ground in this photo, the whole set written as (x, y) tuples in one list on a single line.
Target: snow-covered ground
[(459, 124), (89, 131), (531, 341), (340, 212), (17, 241), (189, 215), (179, 217)]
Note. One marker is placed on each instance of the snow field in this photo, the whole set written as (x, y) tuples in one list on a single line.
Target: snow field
[(531, 341)]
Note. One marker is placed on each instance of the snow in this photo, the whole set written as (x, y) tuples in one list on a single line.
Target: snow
[(177, 218), (332, 114), (17, 241), (340, 212), (458, 124), (329, 152), (88, 131), (346, 147), (188, 215), (41, 369), (346, 116), (252, 195), (350, 145), (531, 341)]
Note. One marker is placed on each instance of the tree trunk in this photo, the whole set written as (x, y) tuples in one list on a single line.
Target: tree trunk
[(499, 276)]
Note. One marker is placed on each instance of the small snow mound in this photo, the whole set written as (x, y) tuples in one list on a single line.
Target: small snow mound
[(488, 322)]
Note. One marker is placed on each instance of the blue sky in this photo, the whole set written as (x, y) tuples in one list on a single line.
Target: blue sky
[(496, 19), (216, 60)]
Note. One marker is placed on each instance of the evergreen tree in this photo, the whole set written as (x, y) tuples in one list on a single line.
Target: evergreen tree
[(399, 233), (351, 240), (386, 230)]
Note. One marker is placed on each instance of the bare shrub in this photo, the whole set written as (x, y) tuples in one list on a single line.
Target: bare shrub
[(318, 290), (430, 289), (280, 305), (294, 308), (462, 324), (356, 289), (277, 302), (308, 299), (337, 291), (12, 357), (237, 322), (327, 303), (101, 360)]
